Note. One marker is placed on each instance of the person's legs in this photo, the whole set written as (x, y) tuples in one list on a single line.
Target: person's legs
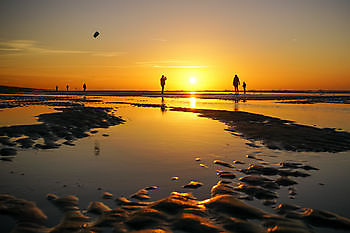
[(162, 90)]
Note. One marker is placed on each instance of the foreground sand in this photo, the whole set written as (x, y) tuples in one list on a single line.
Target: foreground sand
[(178, 212)]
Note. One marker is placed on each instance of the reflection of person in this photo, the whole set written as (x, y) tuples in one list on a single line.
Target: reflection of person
[(162, 83), (244, 86), (236, 105), (162, 106), (84, 87), (97, 148), (236, 83)]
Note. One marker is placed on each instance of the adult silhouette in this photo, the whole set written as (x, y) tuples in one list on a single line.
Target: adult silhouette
[(84, 87), (162, 83), (236, 83), (67, 87)]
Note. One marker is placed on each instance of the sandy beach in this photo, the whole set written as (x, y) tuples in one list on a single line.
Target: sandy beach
[(73, 163), (165, 116)]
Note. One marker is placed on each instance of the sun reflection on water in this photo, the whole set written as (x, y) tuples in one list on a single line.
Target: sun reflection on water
[(192, 102)]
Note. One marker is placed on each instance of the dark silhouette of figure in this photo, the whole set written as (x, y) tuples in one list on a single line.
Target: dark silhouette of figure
[(67, 87), (84, 87), (244, 86), (236, 84), (56, 88), (162, 83)]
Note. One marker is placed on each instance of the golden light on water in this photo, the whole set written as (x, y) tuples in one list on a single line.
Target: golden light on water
[(192, 102)]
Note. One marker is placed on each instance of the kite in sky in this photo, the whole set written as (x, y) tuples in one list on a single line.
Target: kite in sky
[(96, 34)]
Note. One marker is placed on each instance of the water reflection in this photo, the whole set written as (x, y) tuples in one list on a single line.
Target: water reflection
[(236, 105), (162, 106), (97, 148), (192, 102)]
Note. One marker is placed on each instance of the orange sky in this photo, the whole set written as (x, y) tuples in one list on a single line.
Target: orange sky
[(290, 44)]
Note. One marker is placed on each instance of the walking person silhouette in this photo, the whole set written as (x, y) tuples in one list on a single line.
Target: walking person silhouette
[(244, 86), (236, 84), (162, 83)]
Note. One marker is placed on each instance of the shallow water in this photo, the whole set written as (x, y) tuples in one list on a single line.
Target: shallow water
[(154, 145), (322, 115), (23, 115)]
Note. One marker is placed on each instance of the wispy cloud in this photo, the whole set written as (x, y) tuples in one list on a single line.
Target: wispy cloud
[(171, 64), (109, 54), (178, 67), (170, 61), (16, 47), (159, 39)]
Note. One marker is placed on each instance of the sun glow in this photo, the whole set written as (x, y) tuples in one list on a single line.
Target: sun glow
[(192, 80)]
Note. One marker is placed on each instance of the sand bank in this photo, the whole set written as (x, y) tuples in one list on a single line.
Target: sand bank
[(69, 124), (276, 133), (272, 132)]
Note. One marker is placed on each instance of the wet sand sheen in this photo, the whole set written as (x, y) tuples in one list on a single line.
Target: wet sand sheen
[(260, 182), (179, 211), (278, 134), (273, 132)]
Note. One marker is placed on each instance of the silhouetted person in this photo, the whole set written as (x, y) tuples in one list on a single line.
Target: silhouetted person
[(162, 83), (67, 87), (84, 87), (236, 83), (56, 88), (244, 86)]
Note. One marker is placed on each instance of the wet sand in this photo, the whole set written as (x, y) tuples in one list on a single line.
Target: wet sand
[(276, 133), (70, 124), (226, 211), (272, 132), (288, 97)]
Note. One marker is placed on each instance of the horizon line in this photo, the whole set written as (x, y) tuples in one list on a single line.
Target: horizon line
[(213, 90)]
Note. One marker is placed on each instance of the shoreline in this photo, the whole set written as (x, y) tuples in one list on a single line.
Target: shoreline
[(279, 97)]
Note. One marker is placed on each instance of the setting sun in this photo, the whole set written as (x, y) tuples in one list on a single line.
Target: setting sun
[(192, 80)]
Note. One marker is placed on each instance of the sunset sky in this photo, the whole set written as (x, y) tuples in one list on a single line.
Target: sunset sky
[(270, 44)]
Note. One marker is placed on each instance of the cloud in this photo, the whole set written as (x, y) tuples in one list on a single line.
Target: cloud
[(159, 39), (171, 64), (109, 54), (14, 47), (179, 67), (170, 61)]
